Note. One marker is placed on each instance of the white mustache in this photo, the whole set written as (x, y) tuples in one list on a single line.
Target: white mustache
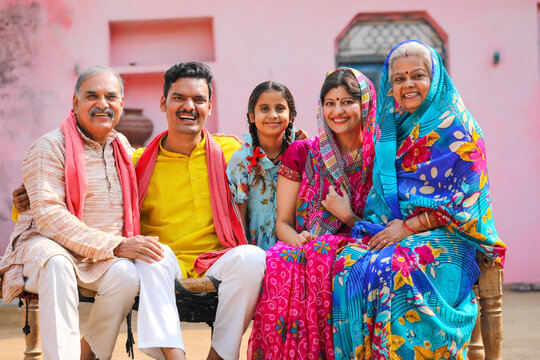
[(107, 111)]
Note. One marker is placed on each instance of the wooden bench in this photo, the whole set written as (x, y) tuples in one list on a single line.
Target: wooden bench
[(486, 339), (487, 335)]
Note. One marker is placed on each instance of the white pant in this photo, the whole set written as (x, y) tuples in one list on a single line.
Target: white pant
[(56, 285), (158, 324), (241, 271)]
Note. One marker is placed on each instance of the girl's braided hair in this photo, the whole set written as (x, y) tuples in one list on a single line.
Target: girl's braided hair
[(258, 171)]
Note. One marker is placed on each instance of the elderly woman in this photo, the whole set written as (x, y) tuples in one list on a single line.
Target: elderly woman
[(322, 188), (406, 292)]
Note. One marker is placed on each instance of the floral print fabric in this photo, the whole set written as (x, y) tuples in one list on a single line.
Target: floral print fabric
[(261, 205), (293, 316), (414, 300)]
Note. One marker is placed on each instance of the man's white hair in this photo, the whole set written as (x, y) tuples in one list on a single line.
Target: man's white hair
[(95, 70)]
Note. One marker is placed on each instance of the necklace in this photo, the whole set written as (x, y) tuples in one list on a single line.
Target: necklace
[(277, 157)]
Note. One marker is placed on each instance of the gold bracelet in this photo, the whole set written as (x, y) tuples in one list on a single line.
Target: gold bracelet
[(427, 218)]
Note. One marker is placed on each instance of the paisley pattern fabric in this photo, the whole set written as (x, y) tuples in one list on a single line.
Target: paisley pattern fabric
[(414, 300), (303, 161), (293, 315), (318, 163)]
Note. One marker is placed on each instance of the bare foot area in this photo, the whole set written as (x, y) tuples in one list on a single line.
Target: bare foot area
[(521, 312)]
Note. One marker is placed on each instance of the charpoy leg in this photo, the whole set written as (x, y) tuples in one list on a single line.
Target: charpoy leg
[(476, 346), (490, 291)]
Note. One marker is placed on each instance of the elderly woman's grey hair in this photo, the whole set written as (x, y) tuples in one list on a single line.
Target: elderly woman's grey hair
[(95, 70), (411, 48)]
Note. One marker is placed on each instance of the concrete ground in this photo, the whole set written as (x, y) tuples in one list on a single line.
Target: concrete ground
[(521, 314)]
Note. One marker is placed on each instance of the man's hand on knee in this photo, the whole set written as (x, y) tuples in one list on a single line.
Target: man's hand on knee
[(145, 248)]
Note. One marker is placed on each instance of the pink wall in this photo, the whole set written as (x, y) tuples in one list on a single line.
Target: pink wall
[(42, 43), (138, 43)]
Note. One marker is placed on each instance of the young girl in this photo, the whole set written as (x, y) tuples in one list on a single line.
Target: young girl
[(252, 169)]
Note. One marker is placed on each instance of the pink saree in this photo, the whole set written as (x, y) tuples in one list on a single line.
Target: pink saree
[(293, 318)]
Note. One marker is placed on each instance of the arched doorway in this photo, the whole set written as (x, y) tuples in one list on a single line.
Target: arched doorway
[(367, 39)]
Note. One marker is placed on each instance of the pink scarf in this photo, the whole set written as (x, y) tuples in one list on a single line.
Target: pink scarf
[(227, 223), (76, 178)]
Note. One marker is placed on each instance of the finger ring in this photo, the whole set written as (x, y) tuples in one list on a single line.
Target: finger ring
[(384, 241)]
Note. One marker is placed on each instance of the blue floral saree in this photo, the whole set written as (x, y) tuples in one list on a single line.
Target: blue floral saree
[(414, 300)]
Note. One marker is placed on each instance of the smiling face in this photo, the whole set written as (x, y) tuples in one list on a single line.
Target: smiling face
[(98, 105), (271, 114), (410, 82), (342, 111), (187, 106)]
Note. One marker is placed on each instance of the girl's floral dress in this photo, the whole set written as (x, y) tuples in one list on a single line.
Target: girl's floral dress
[(261, 205)]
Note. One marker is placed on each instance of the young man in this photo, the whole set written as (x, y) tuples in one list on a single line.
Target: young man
[(187, 205)]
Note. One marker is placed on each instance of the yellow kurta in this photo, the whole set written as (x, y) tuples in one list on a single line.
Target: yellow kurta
[(177, 206)]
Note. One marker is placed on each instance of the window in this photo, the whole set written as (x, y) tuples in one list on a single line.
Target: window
[(367, 40)]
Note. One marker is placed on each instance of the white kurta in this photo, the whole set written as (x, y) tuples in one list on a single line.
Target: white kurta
[(56, 252)]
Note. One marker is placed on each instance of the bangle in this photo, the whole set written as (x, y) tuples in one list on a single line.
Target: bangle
[(407, 227), (427, 218)]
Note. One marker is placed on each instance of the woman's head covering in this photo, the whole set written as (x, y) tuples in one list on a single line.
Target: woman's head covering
[(442, 89), (433, 160), (318, 164), (330, 151)]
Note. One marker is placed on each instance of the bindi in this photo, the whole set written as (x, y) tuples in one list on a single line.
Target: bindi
[(406, 72), (337, 99)]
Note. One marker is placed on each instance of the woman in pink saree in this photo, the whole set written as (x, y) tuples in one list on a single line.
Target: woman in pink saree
[(323, 184)]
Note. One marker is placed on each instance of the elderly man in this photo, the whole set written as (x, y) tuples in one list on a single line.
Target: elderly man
[(187, 204), (82, 228)]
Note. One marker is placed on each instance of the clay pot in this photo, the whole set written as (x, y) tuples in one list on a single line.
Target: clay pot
[(135, 126)]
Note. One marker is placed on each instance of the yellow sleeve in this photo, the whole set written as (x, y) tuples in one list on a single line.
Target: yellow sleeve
[(229, 145), (14, 214), (137, 155)]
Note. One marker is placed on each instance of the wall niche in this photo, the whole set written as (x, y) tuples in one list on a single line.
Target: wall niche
[(142, 46), (142, 50)]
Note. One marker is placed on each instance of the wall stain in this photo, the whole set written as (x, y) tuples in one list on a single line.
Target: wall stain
[(59, 13), (19, 23)]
